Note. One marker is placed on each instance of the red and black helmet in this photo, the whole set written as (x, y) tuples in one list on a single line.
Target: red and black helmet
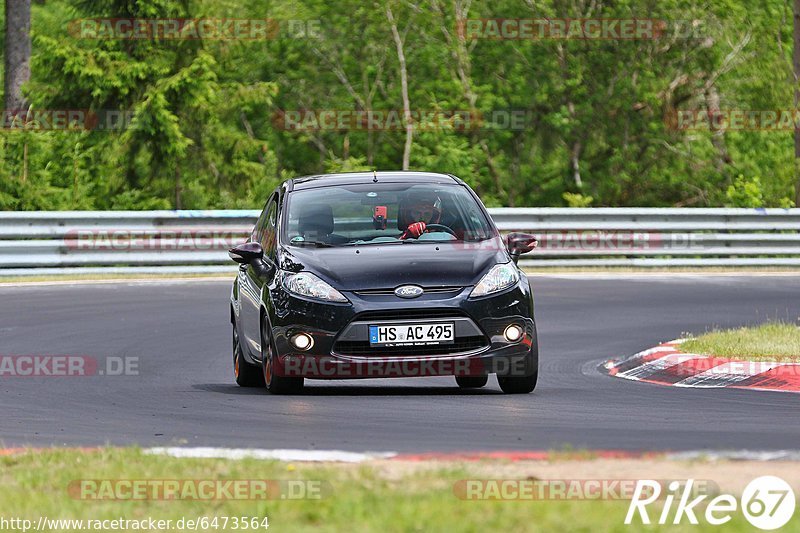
[(419, 206)]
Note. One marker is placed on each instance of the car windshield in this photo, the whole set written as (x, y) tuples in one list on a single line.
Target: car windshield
[(384, 213)]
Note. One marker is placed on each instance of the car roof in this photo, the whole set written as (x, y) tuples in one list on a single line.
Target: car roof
[(386, 176)]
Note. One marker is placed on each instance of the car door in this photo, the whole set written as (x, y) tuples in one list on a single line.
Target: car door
[(254, 276)]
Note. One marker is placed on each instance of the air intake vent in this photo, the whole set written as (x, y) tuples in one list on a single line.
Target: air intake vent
[(408, 314)]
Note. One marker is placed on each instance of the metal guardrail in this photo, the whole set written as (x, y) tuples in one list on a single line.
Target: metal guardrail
[(197, 241)]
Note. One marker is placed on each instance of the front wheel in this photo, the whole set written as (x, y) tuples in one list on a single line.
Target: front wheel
[(275, 384), (518, 384), (245, 374)]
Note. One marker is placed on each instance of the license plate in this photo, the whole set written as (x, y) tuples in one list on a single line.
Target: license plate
[(412, 334)]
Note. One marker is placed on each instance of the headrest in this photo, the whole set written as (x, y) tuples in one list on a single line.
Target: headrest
[(318, 218)]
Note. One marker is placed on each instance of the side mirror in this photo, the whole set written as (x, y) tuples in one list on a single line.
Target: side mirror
[(246, 253), (520, 243)]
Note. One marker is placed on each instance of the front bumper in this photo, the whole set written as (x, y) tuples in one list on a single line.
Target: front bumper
[(341, 345)]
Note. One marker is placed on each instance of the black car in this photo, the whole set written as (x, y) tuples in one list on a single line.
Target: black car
[(381, 274)]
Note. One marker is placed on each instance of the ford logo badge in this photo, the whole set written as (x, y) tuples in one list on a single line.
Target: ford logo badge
[(409, 291)]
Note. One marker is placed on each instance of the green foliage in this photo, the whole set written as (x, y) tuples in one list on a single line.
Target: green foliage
[(745, 192), (750, 192), (201, 128), (351, 164), (577, 200)]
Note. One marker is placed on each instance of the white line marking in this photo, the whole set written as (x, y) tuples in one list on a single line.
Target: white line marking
[(736, 455), (657, 365), (727, 374), (613, 363), (277, 455)]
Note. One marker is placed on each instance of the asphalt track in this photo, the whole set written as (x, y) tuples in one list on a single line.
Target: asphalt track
[(184, 394)]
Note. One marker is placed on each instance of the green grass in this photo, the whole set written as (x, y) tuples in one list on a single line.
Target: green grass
[(357, 497), (770, 341)]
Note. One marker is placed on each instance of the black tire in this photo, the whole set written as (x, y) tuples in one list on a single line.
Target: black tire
[(245, 374), (518, 384), (472, 382), (275, 384)]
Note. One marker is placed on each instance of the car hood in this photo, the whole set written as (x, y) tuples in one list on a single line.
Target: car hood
[(387, 266)]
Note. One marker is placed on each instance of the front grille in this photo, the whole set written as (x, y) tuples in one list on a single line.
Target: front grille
[(462, 344), (408, 314), (428, 290)]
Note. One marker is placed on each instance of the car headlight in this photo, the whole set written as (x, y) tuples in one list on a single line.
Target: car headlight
[(500, 277), (310, 286)]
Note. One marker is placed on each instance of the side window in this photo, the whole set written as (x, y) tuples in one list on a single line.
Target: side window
[(269, 233), (258, 229)]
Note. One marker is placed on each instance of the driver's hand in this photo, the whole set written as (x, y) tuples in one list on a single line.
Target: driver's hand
[(416, 229)]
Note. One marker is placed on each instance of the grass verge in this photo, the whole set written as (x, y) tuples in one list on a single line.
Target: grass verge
[(354, 497), (768, 342)]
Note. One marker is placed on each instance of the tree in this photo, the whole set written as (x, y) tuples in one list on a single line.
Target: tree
[(401, 57), (18, 52), (549, 120)]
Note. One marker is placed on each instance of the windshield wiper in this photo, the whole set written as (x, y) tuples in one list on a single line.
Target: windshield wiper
[(399, 241), (315, 244), (370, 243), (425, 241)]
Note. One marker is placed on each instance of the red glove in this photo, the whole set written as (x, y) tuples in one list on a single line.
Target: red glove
[(414, 230)]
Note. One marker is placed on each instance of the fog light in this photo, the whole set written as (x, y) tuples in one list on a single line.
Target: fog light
[(513, 333), (302, 341)]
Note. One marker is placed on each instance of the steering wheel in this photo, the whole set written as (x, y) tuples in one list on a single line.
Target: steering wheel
[(441, 227)]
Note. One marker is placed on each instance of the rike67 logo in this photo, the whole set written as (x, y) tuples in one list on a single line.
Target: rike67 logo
[(768, 503)]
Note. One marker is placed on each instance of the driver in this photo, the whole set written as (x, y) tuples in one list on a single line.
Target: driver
[(416, 211)]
